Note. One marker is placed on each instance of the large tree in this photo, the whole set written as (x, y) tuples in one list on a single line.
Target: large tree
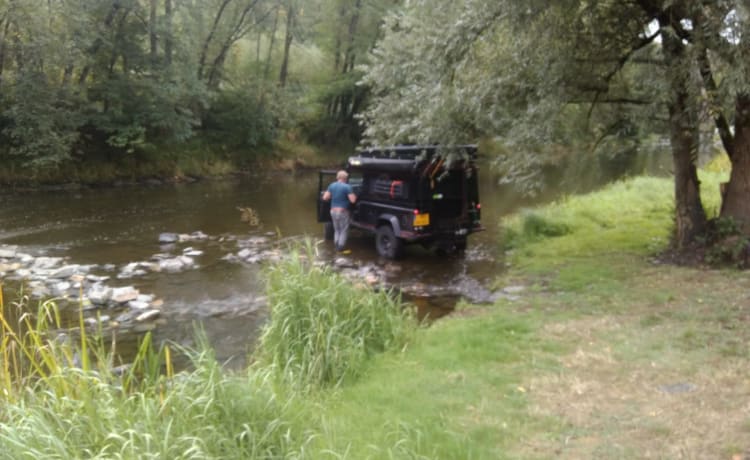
[(514, 69), (720, 34)]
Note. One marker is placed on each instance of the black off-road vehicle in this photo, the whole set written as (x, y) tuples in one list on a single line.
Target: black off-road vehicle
[(423, 194)]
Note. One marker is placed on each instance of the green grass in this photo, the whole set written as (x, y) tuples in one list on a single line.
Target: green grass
[(604, 355), (457, 393)]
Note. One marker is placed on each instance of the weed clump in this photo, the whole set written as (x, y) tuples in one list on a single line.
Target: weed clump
[(323, 328)]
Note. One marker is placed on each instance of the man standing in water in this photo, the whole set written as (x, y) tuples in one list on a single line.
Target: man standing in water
[(342, 197)]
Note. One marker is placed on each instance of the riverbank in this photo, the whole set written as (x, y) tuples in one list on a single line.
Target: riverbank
[(195, 160), (602, 351), (606, 353)]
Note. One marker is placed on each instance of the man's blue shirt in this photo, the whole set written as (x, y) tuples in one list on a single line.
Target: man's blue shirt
[(340, 194)]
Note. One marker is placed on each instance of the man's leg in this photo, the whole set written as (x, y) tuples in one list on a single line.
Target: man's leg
[(336, 217), (344, 231)]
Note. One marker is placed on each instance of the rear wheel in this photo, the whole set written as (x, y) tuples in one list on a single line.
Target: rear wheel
[(387, 243), (460, 244), (328, 231)]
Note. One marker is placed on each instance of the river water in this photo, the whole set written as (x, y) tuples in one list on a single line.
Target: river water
[(120, 225)]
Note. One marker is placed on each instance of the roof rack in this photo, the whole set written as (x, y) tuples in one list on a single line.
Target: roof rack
[(411, 152)]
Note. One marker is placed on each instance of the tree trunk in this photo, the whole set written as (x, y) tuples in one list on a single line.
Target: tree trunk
[(98, 42), (168, 32), (214, 27), (3, 47), (238, 31), (153, 40), (267, 70), (736, 204), (690, 217), (284, 72)]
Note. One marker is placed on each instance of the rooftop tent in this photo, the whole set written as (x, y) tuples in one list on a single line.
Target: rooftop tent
[(417, 152), (408, 158)]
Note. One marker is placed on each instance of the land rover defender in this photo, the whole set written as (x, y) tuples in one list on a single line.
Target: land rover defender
[(424, 194)]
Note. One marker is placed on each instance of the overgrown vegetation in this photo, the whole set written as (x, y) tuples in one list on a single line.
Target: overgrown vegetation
[(323, 330)]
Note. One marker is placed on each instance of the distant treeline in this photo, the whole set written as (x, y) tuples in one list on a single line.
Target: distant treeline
[(84, 78)]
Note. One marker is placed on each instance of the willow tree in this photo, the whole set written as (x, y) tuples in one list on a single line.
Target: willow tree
[(513, 69), (720, 32)]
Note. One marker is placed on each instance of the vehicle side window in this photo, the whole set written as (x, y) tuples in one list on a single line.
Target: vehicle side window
[(388, 187), (356, 181)]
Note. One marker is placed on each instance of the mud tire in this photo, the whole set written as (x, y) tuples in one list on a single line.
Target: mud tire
[(387, 243)]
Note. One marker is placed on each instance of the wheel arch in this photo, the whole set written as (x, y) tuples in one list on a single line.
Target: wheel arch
[(389, 219)]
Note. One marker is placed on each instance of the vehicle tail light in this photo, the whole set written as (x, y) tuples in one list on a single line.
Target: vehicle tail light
[(416, 212), (479, 206)]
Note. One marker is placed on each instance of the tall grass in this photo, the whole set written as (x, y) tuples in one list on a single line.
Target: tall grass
[(62, 396), (323, 328), (57, 403)]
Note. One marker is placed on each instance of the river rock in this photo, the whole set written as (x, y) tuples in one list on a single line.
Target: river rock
[(124, 294), (67, 271), (255, 241), (23, 273), (96, 279), (46, 263), (176, 264), (61, 289), (167, 238), (131, 270), (343, 262), (198, 236), (9, 267), (147, 315), (138, 305), (8, 252), (99, 294), (246, 253), (514, 289), (190, 252)]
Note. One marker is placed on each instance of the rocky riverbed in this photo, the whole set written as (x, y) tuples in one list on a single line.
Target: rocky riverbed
[(108, 300)]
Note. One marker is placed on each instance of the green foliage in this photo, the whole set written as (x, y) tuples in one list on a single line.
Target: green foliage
[(41, 124), (242, 119), (324, 329), (529, 77), (719, 164)]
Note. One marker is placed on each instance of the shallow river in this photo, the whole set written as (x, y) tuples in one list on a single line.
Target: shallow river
[(120, 225)]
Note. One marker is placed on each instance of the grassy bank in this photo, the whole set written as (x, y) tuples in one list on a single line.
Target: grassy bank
[(606, 353)]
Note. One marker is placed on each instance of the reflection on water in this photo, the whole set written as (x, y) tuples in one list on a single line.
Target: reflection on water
[(121, 225)]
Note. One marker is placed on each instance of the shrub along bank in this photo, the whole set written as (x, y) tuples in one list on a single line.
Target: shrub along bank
[(607, 353)]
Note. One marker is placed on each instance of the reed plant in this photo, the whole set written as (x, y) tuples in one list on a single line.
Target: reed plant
[(323, 328), (62, 398)]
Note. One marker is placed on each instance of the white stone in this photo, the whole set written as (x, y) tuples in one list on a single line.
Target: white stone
[(145, 316), (99, 295), (8, 252), (124, 294), (46, 262)]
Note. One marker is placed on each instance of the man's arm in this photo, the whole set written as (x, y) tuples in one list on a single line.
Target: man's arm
[(326, 195), (352, 198)]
